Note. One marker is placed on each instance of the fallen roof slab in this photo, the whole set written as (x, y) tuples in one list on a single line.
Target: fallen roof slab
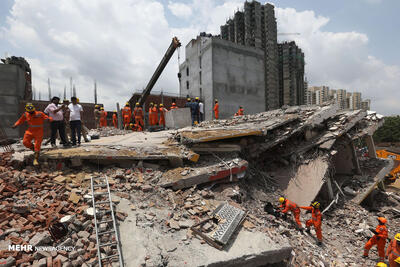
[(306, 184), (120, 153), (180, 178)]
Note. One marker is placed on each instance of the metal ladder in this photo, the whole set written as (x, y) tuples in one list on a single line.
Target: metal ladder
[(104, 209)]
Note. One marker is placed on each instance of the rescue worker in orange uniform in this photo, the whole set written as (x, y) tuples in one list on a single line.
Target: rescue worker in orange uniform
[(115, 119), (316, 218), (35, 120), (216, 109), (379, 239), (155, 114), (287, 205), (393, 251), (126, 115), (162, 115), (240, 111), (135, 127), (151, 116), (174, 106), (103, 117), (138, 114)]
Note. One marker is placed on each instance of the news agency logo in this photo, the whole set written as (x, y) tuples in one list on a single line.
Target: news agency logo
[(29, 248), (25, 248)]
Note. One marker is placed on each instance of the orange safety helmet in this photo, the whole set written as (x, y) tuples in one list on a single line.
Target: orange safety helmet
[(382, 220)]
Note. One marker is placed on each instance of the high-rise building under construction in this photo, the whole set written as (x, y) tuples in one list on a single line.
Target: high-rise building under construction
[(241, 66), (256, 26)]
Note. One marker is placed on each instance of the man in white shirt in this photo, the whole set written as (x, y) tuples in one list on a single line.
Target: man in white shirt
[(201, 107), (75, 120), (56, 112)]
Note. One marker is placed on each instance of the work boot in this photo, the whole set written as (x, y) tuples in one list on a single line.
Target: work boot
[(308, 230), (319, 243), (36, 159), (365, 256)]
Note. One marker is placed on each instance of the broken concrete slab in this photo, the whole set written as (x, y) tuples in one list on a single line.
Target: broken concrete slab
[(361, 196), (190, 137), (308, 180), (179, 178), (144, 245)]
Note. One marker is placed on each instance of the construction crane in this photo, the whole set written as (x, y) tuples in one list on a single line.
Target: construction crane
[(170, 51)]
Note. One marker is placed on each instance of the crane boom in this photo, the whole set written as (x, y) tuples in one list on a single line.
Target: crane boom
[(170, 51)]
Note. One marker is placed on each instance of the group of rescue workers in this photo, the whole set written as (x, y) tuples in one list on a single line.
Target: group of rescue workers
[(379, 238), (67, 114)]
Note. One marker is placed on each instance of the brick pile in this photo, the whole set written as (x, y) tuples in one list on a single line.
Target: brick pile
[(29, 202)]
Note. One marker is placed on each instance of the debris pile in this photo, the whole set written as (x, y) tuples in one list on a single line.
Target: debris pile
[(179, 191), (106, 131)]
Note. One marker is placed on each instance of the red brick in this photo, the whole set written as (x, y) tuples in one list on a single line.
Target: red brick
[(16, 240), (2, 187), (23, 221), (49, 262), (27, 227), (31, 218), (86, 256), (11, 188), (40, 218), (63, 252), (57, 263)]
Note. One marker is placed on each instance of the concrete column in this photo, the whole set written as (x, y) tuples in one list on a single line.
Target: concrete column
[(371, 146), (329, 187), (119, 117), (356, 164)]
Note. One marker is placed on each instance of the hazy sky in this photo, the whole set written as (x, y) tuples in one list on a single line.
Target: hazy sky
[(348, 44)]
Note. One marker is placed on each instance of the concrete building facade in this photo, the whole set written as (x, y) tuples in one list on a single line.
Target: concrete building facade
[(366, 104), (223, 70), (291, 74), (15, 86), (255, 26)]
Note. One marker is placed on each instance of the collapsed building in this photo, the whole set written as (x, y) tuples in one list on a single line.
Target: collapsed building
[(196, 196)]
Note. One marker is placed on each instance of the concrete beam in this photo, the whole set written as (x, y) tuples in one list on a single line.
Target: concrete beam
[(180, 178), (377, 179), (371, 146)]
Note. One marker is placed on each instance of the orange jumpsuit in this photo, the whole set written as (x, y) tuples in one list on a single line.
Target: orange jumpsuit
[(216, 111), (162, 116), (393, 252), (155, 115), (137, 128), (103, 118), (138, 114), (291, 206), (115, 120), (378, 239), (316, 218), (150, 116), (174, 106), (35, 128), (126, 115), (240, 112)]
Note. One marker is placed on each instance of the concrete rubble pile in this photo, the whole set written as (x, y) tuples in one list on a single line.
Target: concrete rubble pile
[(107, 131), (165, 182)]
